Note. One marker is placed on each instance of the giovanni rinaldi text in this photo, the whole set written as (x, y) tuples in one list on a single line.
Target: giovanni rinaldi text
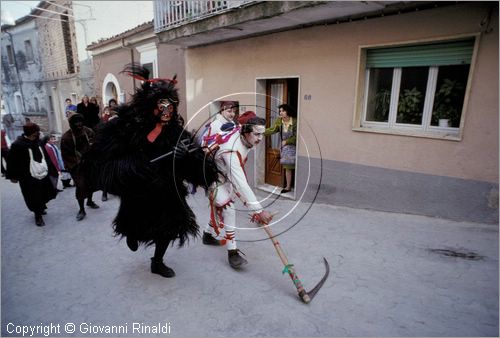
[(47, 330)]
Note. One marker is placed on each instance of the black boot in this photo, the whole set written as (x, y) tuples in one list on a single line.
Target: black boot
[(81, 215), (91, 204), (208, 239), (235, 260), (39, 220), (132, 243), (161, 269)]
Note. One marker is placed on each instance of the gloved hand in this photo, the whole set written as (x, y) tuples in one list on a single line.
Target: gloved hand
[(180, 150)]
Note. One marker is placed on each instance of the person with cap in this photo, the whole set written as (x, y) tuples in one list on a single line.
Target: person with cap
[(231, 150), (74, 144), (37, 192)]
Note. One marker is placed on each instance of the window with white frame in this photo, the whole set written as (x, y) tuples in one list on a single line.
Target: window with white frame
[(417, 88), (149, 58)]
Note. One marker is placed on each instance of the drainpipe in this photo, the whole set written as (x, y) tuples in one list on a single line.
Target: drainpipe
[(19, 80), (131, 60)]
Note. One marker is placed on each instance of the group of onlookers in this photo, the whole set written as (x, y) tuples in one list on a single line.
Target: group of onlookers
[(90, 110), (56, 162)]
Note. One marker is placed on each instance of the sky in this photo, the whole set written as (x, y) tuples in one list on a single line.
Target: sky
[(94, 20), (13, 10)]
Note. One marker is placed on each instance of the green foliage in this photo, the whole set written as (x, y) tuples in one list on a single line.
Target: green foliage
[(446, 101), (447, 104), (409, 106), (382, 103)]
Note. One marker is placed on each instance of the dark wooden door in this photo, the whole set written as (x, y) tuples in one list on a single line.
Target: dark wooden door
[(277, 94)]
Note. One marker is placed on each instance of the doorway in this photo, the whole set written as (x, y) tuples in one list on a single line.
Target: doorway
[(278, 91)]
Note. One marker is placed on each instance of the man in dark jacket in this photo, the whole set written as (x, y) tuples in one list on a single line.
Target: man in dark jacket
[(89, 111), (36, 192), (74, 144)]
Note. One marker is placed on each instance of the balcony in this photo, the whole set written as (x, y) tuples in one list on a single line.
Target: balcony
[(170, 13), (198, 23)]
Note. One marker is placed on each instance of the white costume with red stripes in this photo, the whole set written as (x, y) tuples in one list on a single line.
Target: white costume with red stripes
[(230, 159), (214, 127)]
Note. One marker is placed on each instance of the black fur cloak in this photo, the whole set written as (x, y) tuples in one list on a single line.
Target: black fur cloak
[(152, 194)]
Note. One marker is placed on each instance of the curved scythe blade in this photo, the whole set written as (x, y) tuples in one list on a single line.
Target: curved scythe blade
[(318, 286)]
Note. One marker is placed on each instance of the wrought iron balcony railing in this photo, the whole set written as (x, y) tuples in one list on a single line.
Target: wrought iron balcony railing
[(171, 13)]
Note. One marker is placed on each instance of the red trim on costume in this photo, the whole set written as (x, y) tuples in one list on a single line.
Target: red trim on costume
[(213, 221), (162, 79), (242, 163), (229, 235), (240, 158), (138, 77), (153, 134)]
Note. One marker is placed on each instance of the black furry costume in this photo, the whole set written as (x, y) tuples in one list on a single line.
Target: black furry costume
[(153, 206)]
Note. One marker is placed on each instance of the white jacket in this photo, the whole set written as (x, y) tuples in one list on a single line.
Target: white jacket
[(230, 159)]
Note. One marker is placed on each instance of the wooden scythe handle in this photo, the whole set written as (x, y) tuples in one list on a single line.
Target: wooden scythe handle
[(291, 271)]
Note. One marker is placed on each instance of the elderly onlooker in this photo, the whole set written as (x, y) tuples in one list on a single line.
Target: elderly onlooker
[(36, 191)]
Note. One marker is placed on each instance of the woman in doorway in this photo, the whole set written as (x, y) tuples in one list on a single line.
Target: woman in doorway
[(286, 125)]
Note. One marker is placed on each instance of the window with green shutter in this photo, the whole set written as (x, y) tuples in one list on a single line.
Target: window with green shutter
[(417, 87), (432, 54)]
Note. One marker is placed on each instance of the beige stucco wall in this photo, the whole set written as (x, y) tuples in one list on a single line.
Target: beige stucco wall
[(113, 62), (325, 58), (170, 62)]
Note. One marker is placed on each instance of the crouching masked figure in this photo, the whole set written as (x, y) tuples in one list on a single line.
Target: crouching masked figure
[(124, 161)]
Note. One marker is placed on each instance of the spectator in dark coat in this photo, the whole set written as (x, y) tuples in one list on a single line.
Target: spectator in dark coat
[(74, 144), (89, 111), (36, 192)]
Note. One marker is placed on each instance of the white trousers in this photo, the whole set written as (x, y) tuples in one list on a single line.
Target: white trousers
[(222, 223)]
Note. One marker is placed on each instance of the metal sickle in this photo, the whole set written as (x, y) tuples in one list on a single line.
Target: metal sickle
[(318, 286), (305, 296)]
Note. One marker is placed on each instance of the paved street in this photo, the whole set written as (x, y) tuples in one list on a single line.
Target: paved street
[(391, 275)]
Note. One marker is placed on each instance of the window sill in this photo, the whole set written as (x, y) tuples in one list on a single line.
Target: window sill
[(449, 135)]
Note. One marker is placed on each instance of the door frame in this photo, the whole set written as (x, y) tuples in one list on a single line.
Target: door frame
[(260, 104)]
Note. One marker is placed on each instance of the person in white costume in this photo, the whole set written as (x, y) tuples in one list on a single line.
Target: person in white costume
[(226, 115), (232, 148)]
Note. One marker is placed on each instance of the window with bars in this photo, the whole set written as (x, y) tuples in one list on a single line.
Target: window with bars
[(417, 88)]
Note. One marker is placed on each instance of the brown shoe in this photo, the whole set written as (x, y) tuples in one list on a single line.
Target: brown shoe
[(235, 260)]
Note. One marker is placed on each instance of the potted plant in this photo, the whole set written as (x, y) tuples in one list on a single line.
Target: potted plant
[(446, 102)]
